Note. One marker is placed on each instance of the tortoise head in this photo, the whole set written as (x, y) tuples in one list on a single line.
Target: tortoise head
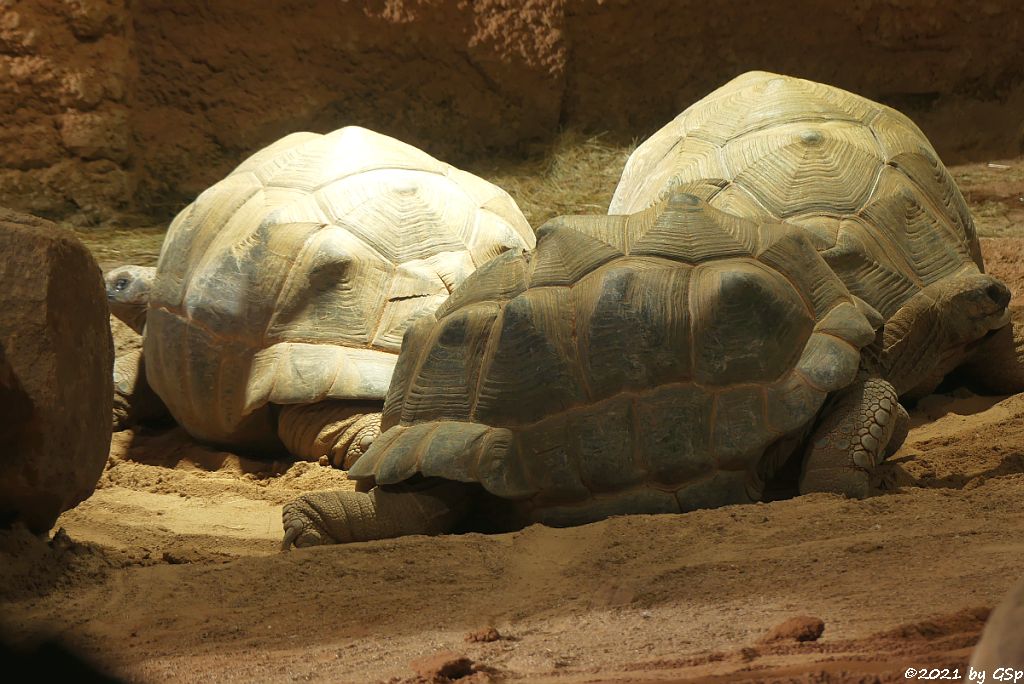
[(970, 307), (942, 323), (128, 289)]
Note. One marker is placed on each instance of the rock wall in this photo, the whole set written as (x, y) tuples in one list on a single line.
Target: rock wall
[(66, 90), (956, 68), (125, 110), (218, 81)]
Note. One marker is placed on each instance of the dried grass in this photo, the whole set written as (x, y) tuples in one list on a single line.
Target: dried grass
[(117, 246), (577, 176)]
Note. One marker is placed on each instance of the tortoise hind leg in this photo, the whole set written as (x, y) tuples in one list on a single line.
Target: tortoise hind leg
[(340, 431), (860, 428), (339, 517)]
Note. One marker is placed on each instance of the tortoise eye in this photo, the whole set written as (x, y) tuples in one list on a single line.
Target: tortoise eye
[(121, 284)]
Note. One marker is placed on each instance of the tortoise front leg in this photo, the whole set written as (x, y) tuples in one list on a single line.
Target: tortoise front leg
[(860, 428), (340, 431), (134, 400)]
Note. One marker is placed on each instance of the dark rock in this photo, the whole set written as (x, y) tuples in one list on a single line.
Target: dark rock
[(56, 361)]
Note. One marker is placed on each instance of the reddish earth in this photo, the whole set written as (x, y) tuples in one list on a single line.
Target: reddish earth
[(123, 111), (171, 572)]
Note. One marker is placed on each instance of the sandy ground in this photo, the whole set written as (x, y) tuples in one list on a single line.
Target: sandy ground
[(171, 571)]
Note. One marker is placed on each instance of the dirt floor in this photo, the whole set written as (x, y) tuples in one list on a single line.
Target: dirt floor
[(171, 571)]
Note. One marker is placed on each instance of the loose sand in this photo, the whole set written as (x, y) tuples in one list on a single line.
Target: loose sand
[(171, 572)]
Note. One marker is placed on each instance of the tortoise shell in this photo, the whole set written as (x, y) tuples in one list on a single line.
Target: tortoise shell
[(858, 176), (293, 279), (630, 364)]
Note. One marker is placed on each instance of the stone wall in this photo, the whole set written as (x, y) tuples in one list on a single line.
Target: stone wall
[(66, 89), (125, 109)]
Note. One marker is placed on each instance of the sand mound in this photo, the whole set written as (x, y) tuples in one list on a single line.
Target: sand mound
[(171, 573)]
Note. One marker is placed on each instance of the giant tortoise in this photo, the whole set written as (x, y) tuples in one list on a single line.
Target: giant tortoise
[(864, 183), (665, 361), (275, 312)]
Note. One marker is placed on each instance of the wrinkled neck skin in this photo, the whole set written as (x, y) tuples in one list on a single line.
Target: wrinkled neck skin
[(937, 329), (132, 315)]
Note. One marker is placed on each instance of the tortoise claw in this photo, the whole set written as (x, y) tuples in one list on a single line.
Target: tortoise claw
[(301, 526), (291, 533)]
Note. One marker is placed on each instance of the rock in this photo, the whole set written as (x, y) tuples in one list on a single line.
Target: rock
[(798, 628), (56, 362), (483, 635), (96, 135), (90, 19), (59, 61), (1002, 640)]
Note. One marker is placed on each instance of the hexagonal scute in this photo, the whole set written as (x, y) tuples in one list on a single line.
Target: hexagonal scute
[(749, 324)]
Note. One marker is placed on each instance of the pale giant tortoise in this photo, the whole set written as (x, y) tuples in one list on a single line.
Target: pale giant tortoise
[(665, 361), (865, 184), (275, 313)]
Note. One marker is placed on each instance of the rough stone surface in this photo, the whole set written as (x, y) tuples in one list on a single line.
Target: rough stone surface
[(112, 109), (956, 69), (56, 360), (66, 91)]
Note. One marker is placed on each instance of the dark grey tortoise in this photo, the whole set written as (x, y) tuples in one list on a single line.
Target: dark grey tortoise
[(665, 361)]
